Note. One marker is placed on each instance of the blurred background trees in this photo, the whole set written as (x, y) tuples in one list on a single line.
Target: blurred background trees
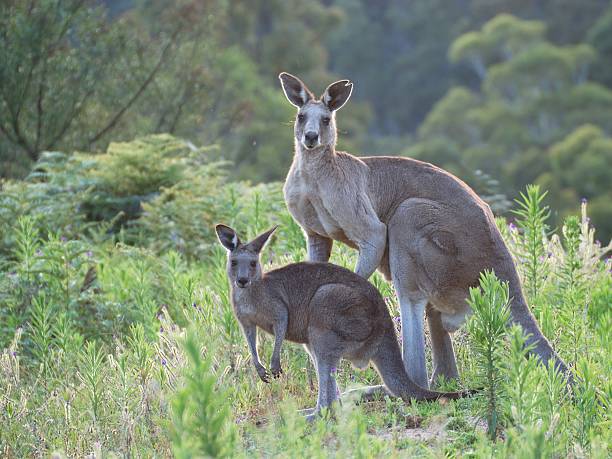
[(503, 92), (533, 106)]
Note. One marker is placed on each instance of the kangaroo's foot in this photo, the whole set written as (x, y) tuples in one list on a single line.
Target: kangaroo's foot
[(306, 411), (311, 414), (439, 375), (366, 394), (463, 393)]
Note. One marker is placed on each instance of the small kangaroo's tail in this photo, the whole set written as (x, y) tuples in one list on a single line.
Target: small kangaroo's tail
[(388, 362)]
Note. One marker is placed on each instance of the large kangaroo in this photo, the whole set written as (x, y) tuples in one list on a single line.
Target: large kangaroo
[(332, 311), (422, 227)]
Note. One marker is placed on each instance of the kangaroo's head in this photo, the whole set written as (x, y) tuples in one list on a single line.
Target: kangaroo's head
[(243, 264), (315, 123)]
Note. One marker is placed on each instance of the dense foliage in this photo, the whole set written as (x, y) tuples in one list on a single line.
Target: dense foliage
[(117, 336)]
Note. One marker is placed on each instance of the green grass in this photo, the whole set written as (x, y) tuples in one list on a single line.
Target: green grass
[(132, 351)]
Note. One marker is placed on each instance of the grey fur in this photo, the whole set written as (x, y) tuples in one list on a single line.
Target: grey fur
[(331, 311), (422, 227)]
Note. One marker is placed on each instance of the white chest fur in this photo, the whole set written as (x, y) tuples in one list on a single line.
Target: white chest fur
[(306, 201), (244, 303)]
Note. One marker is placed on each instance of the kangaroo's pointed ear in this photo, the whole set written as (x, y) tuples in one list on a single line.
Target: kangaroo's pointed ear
[(336, 94), (227, 237), (260, 241), (296, 92)]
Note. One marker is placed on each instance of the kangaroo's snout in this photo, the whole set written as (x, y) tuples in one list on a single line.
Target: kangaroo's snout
[(311, 139), (242, 282)]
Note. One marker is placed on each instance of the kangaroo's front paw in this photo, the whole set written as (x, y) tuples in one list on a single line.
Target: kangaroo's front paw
[(264, 375), (275, 368)]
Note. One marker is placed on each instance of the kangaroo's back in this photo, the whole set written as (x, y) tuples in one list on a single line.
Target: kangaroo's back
[(302, 280), (392, 180)]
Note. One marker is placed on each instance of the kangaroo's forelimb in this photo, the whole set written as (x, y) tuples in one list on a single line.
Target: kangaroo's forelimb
[(371, 250), (250, 333), (280, 329)]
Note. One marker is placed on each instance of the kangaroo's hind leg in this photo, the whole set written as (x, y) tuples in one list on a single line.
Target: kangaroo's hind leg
[(325, 362), (332, 386), (412, 311), (412, 314), (414, 281), (444, 363), (325, 397), (309, 411), (327, 383)]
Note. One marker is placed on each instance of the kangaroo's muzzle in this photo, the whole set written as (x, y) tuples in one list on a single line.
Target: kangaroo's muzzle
[(242, 282), (311, 139)]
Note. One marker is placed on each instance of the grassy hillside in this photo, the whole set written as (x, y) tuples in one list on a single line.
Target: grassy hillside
[(118, 340)]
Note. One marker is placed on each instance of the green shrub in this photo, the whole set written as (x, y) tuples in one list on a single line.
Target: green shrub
[(201, 419), (487, 327), (532, 219), (142, 166)]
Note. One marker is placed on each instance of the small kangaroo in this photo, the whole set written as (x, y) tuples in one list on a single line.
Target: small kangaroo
[(422, 227), (332, 311)]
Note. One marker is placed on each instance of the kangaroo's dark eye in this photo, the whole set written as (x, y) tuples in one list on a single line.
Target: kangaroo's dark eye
[(301, 117), (234, 263), (326, 121), (253, 264)]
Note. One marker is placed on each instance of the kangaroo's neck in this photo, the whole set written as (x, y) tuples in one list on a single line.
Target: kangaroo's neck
[(245, 300), (315, 160)]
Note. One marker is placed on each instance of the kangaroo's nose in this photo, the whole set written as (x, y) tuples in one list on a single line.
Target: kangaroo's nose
[(310, 138), (242, 281)]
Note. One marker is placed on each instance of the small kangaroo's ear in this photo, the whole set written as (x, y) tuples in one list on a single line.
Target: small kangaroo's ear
[(296, 92), (260, 241), (336, 94), (227, 237)]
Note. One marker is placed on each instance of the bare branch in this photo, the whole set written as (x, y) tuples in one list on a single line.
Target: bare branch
[(115, 119), (179, 111), (77, 109), (39, 108), (7, 134), (19, 139)]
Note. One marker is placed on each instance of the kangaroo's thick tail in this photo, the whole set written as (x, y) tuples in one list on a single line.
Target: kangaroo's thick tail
[(522, 315), (388, 362)]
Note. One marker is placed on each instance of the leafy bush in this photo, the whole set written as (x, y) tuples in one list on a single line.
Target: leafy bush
[(490, 305), (142, 166), (201, 419)]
